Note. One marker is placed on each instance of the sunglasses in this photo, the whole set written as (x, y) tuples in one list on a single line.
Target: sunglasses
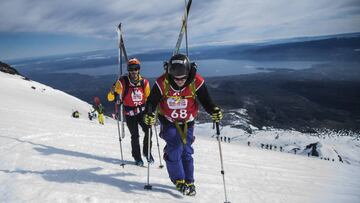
[(180, 79), (133, 67)]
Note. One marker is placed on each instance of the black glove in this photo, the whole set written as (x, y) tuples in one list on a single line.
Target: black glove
[(216, 114)]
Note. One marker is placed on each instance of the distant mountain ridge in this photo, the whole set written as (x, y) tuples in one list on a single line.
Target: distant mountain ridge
[(340, 47), (8, 69)]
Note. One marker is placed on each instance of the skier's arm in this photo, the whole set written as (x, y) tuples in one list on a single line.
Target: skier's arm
[(205, 99), (94, 109), (115, 90), (119, 87), (153, 99), (147, 90)]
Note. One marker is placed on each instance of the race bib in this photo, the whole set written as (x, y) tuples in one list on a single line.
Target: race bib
[(177, 103), (136, 95)]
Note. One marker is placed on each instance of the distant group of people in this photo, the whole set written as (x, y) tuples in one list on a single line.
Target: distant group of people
[(98, 108), (223, 139), (269, 146)]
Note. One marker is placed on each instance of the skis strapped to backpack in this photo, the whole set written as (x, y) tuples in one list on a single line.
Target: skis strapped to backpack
[(122, 45), (183, 31), (183, 28)]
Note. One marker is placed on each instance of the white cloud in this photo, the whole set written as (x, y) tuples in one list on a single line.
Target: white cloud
[(157, 22)]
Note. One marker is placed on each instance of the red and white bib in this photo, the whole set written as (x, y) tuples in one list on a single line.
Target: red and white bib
[(135, 95), (179, 105)]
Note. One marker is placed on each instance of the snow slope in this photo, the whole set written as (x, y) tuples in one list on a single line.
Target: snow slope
[(48, 156)]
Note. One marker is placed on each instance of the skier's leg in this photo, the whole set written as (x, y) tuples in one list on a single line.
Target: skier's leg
[(132, 125), (172, 153), (187, 159), (145, 129), (101, 118)]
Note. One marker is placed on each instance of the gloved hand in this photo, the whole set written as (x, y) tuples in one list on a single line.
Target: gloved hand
[(216, 114), (149, 119)]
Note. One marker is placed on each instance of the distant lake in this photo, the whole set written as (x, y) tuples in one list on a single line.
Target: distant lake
[(208, 68)]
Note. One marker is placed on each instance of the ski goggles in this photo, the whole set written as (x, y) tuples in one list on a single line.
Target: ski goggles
[(180, 79), (133, 67)]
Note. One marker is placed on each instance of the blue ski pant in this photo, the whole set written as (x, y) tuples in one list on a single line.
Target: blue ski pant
[(178, 156)]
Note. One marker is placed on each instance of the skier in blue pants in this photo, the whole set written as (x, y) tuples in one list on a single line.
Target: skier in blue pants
[(175, 95), (177, 155)]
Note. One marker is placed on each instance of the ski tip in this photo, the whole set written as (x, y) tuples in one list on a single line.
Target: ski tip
[(189, 5)]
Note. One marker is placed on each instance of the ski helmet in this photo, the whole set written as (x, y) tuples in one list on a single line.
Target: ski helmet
[(133, 63), (96, 100), (178, 65)]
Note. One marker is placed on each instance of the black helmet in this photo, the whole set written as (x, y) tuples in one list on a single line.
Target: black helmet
[(178, 65)]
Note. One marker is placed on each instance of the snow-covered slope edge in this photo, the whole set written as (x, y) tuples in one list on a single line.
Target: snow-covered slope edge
[(326, 146), (48, 156)]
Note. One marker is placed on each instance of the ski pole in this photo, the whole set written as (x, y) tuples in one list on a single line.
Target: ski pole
[(121, 152), (148, 186), (158, 146), (221, 160)]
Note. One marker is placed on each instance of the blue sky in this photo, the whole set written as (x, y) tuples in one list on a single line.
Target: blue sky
[(31, 28)]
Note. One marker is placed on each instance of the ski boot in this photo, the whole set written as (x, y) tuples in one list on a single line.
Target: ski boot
[(190, 189), (181, 186), (139, 162)]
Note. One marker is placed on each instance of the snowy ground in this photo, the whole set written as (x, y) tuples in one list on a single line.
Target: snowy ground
[(48, 156)]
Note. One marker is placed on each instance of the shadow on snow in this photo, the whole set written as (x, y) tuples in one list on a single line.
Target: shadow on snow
[(89, 175)]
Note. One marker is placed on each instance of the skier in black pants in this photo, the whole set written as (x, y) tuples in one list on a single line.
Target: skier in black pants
[(132, 123), (134, 90)]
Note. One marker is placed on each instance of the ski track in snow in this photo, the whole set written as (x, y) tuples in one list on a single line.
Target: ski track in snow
[(47, 156)]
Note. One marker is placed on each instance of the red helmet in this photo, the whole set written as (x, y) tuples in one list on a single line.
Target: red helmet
[(96, 100), (133, 63)]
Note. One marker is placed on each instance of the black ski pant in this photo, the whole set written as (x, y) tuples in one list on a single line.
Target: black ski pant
[(132, 123)]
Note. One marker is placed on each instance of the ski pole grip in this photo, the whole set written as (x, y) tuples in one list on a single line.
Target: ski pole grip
[(149, 109), (217, 128)]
